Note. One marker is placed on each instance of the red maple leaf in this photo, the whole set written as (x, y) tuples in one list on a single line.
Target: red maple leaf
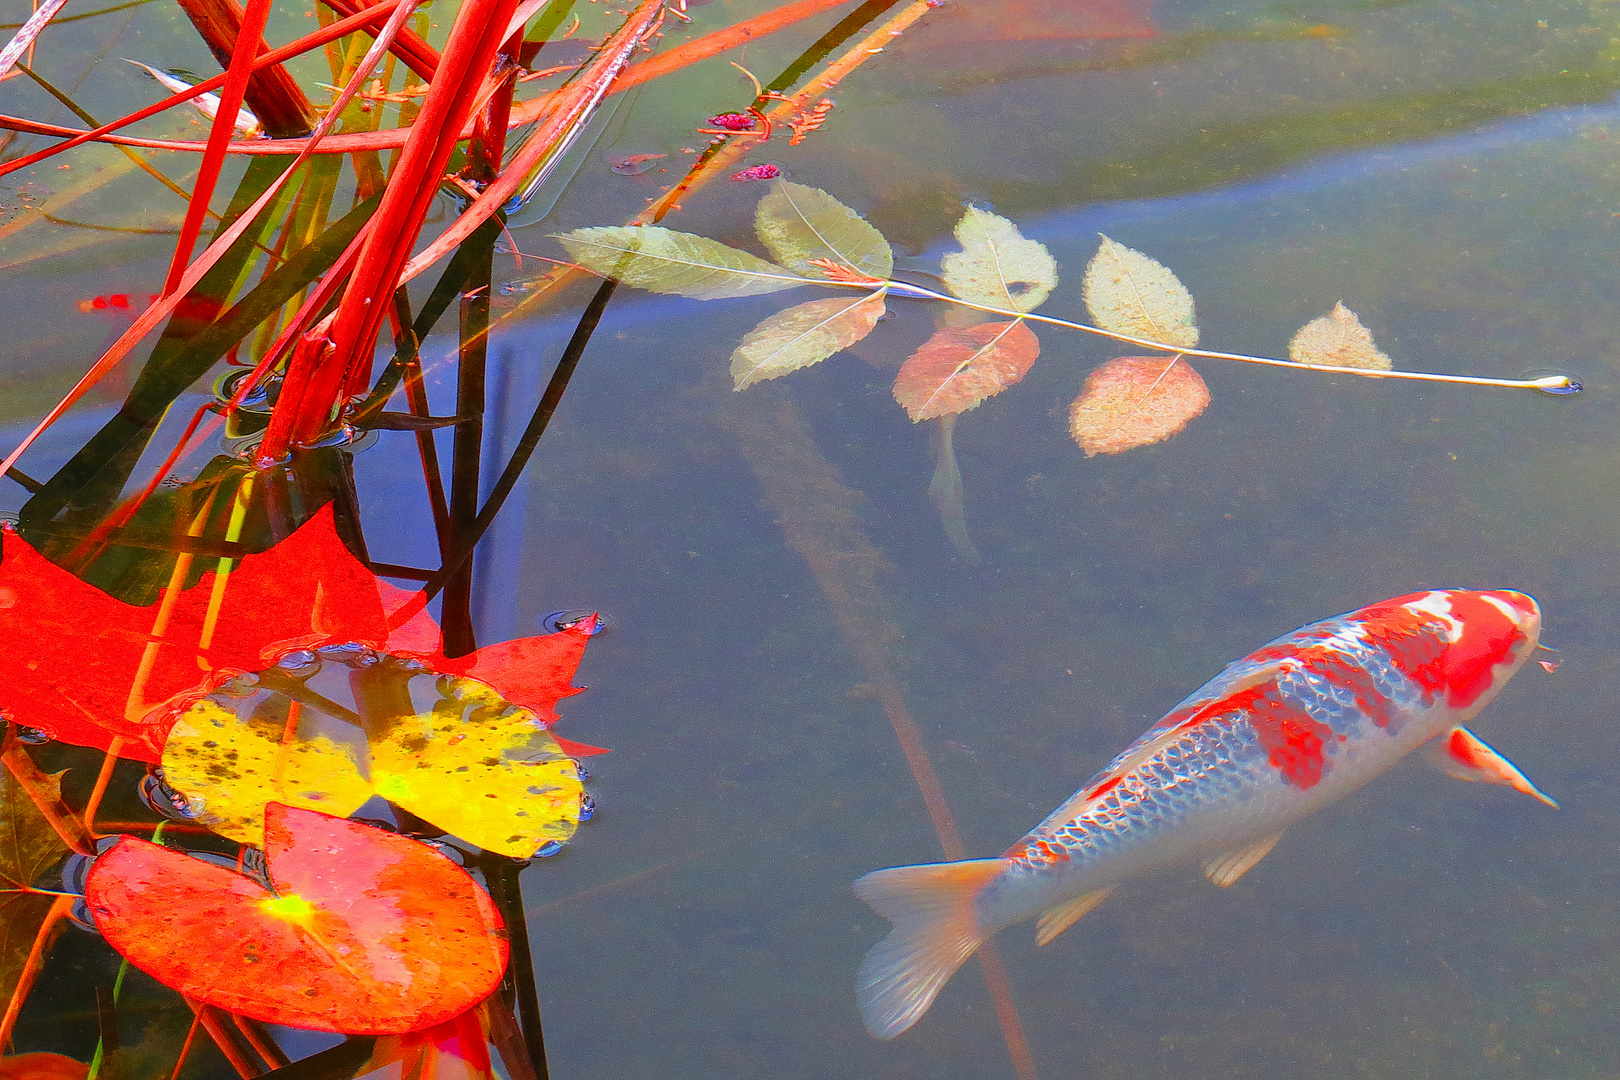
[(86, 668)]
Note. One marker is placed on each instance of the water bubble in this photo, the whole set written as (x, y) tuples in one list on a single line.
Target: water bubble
[(79, 915), (256, 399), (556, 621), (77, 867), (32, 736), (239, 685), (548, 849), (299, 662), (587, 808), (351, 653), (584, 773), (162, 799)]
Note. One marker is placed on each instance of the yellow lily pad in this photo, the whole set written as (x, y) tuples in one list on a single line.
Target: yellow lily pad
[(326, 732)]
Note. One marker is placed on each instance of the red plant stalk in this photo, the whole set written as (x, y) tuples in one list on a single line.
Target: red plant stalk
[(231, 96), (720, 41), (271, 93), (35, 962), (165, 304), (302, 368), (525, 113), (25, 37), (36, 785), (375, 14), (479, 28), (417, 54), (574, 105)]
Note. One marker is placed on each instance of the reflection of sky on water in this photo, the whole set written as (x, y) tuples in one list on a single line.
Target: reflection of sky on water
[(1521, 136)]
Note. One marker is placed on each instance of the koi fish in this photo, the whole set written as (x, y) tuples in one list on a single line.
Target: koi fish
[(207, 104), (1276, 736)]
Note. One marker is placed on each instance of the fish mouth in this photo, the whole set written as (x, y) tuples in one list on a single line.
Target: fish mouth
[(1521, 608)]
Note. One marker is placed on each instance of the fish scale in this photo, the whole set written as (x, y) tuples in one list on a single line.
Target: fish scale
[(1297, 724)]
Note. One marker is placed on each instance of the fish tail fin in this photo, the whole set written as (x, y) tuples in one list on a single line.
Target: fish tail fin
[(936, 928)]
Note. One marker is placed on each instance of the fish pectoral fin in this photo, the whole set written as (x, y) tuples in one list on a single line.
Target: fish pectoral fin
[(1461, 754), (1224, 869), (1056, 920)]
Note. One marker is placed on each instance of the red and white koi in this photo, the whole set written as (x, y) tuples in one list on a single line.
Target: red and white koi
[(1278, 735)]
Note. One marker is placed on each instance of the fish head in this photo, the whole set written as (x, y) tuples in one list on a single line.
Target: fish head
[(1479, 639)]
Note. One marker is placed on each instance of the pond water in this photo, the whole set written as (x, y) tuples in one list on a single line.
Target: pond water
[(769, 557)]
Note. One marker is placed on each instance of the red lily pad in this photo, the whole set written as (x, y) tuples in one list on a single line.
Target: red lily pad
[(365, 933)]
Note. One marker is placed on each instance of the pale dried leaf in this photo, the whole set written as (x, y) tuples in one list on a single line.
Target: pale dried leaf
[(803, 335), (1129, 293), (956, 369), (664, 261), (997, 266), (1134, 401), (1337, 339), (798, 223)]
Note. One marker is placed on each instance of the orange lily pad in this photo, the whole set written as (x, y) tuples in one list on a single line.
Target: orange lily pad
[(42, 1065), (362, 931)]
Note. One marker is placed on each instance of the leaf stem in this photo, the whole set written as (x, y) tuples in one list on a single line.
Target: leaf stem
[(1550, 383)]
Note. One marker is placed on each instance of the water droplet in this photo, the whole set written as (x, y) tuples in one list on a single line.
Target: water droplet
[(556, 621), (584, 773), (1562, 391), (587, 808), (32, 736), (548, 849)]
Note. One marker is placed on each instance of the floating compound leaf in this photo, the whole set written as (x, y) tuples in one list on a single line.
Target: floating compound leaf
[(683, 264), (1134, 401), (997, 266), (1338, 339), (28, 847), (803, 335), (957, 369), (1129, 293), (447, 748), (798, 224)]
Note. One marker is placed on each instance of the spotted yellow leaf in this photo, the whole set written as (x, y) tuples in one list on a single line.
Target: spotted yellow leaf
[(446, 748)]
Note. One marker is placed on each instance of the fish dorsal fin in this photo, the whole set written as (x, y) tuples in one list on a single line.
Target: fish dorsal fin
[(1224, 869), (1461, 754), (1066, 914)]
